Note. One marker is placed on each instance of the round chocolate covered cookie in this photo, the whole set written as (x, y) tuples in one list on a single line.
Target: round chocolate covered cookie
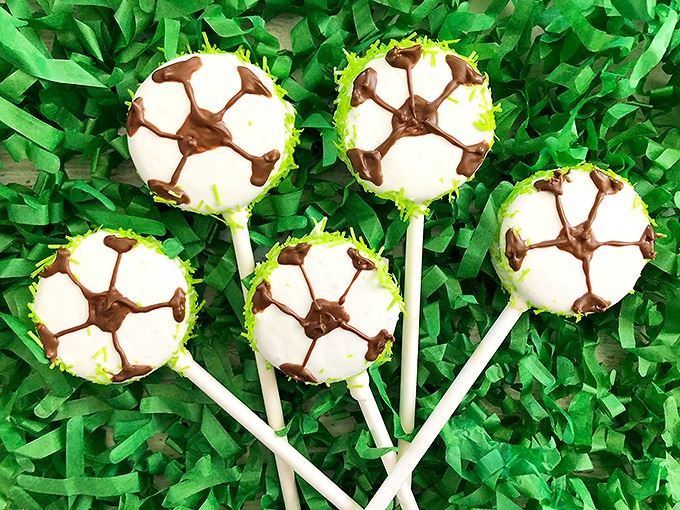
[(210, 132), (415, 120), (110, 306), (573, 240), (322, 308)]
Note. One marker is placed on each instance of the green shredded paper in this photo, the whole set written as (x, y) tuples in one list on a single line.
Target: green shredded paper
[(569, 415)]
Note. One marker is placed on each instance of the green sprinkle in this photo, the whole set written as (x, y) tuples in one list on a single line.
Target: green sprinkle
[(216, 194)]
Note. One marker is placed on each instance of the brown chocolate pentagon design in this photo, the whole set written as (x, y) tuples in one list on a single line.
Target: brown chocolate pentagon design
[(416, 117), (323, 316), (202, 130), (577, 240), (106, 310)]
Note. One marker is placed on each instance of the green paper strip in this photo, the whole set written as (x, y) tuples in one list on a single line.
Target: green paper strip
[(75, 447), (32, 128), (52, 401), (484, 234), (194, 483), (627, 320), (655, 51), (368, 221), (366, 451), (155, 405), (123, 450), (217, 436), (89, 486), (592, 38), (96, 194), (170, 38), (116, 220), (21, 330), (16, 48), (44, 446)]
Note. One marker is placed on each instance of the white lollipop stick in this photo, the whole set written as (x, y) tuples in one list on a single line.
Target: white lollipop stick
[(188, 368), (410, 336), (446, 406), (360, 390), (270, 390)]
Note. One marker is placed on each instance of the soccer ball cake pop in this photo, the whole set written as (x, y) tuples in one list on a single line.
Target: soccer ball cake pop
[(415, 120), (573, 240), (110, 306), (322, 308), (210, 132)]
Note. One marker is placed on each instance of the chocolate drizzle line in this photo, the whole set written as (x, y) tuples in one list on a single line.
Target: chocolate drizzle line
[(416, 117), (202, 130), (323, 316), (578, 240), (107, 309)]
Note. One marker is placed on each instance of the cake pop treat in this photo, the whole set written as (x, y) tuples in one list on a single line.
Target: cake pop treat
[(572, 241), (415, 121), (211, 133), (111, 307), (322, 309), (583, 231)]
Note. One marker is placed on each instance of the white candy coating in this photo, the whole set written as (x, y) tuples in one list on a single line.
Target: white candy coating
[(553, 279), (145, 276), (423, 168), (337, 355), (217, 180)]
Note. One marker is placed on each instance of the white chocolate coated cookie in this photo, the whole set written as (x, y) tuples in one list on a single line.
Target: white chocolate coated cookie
[(322, 308), (111, 307), (573, 241), (210, 132), (415, 119)]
